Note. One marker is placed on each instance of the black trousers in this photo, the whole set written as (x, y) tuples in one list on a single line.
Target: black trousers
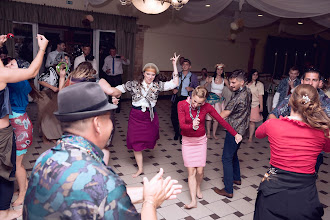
[(6, 186), (174, 114), (114, 81)]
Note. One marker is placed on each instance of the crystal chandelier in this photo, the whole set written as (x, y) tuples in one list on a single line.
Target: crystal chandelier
[(154, 6)]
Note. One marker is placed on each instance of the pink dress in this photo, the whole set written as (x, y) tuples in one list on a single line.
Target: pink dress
[(194, 143)]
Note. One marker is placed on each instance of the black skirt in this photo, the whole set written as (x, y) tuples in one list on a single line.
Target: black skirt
[(288, 195)]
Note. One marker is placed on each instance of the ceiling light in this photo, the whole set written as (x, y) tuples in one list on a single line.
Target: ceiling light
[(207, 5), (300, 23), (260, 15), (154, 6)]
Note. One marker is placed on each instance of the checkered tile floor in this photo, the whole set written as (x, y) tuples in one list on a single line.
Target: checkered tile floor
[(254, 160)]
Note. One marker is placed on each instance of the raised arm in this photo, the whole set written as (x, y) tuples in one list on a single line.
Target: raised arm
[(175, 70), (16, 75), (62, 79), (3, 39)]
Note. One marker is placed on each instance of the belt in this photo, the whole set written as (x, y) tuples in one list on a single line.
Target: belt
[(140, 108)]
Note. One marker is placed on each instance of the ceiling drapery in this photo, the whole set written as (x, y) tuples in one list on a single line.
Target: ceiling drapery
[(292, 8), (316, 10), (195, 11), (94, 2)]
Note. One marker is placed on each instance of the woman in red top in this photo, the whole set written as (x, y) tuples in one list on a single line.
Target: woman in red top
[(192, 113), (295, 142)]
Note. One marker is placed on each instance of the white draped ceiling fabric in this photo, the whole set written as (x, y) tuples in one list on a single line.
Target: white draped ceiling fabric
[(317, 10), (94, 2)]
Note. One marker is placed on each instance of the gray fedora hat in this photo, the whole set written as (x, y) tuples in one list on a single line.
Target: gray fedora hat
[(80, 101)]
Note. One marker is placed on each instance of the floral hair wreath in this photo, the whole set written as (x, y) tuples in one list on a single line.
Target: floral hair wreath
[(306, 99), (220, 65)]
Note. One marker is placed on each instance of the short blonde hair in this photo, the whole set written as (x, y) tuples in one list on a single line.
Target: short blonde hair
[(200, 91)]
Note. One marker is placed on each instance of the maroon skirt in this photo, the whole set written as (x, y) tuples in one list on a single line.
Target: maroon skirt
[(142, 133)]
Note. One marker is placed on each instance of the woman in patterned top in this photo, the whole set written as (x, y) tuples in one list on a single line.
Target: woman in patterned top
[(49, 80), (143, 124)]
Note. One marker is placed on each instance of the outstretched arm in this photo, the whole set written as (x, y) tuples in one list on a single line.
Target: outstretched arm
[(221, 121), (111, 91), (16, 75)]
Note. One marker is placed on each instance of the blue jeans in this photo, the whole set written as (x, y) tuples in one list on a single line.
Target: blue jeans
[(231, 170)]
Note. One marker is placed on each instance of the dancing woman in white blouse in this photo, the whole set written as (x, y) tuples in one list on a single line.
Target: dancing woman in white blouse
[(143, 123)]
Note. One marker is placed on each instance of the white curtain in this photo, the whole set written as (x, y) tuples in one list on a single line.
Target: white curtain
[(195, 11), (292, 8)]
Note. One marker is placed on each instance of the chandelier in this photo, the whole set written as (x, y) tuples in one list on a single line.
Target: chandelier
[(154, 6)]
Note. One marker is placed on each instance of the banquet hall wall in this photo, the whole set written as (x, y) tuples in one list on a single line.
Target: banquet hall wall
[(204, 43)]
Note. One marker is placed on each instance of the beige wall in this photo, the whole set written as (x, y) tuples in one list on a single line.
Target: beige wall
[(204, 44)]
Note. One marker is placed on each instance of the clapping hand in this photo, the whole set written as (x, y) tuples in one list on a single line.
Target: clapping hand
[(238, 138), (158, 190), (175, 58)]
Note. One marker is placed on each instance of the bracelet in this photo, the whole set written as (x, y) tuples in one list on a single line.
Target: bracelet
[(175, 75), (42, 50), (150, 202)]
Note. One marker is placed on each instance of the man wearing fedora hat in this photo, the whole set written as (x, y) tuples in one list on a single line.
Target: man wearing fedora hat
[(71, 181)]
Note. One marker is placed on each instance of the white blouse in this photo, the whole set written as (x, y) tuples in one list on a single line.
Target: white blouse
[(144, 89)]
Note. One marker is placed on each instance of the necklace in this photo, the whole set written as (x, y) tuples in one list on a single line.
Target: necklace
[(87, 150), (192, 117)]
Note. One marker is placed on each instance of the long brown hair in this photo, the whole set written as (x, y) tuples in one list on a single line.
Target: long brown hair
[(83, 70), (306, 102)]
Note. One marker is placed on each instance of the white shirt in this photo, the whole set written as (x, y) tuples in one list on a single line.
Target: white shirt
[(118, 65), (50, 58), (169, 85), (217, 88), (81, 59)]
